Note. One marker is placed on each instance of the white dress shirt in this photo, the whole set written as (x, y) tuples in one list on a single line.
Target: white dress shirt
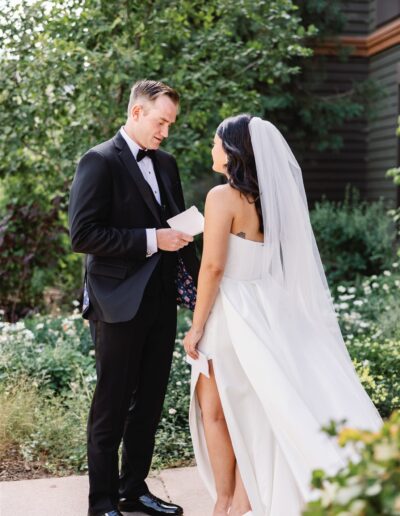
[(147, 169)]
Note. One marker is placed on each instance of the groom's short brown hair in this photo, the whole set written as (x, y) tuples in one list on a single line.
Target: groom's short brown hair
[(150, 90)]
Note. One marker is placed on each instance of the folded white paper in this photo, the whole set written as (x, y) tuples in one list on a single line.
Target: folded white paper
[(190, 221), (199, 365)]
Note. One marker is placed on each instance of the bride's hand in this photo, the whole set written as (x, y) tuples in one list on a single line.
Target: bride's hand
[(190, 342)]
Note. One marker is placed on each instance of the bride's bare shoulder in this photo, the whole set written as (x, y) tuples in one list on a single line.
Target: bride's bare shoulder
[(219, 208), (222, 194)]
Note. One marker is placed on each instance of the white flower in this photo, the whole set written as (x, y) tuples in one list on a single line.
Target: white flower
[(69, 89), (344, 306), (375, 284), (328, 493), (346, 297), (40, 326), (358, 302), (385, 287), (395, 265), (374, 489), (385, 451), (341, 288), (28, 335), (50, 90), (75, 302), (352, 290), (358, 507), (178, 383), (345, 494), (172, 411), (387, 273)]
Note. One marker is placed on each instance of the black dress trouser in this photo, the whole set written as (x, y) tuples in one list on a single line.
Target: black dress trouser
[(133, 362)]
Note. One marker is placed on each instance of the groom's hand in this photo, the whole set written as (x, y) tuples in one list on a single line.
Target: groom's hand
[(172, 240)]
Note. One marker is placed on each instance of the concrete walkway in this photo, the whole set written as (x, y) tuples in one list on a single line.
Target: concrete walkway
[(67, 496)]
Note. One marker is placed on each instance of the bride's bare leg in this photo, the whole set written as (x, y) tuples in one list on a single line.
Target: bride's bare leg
[(219, 444), (240, 501)]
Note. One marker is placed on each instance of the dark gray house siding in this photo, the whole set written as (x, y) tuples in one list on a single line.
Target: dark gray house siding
[(370, 147), (357, 13), (382, 143), (328, 173)]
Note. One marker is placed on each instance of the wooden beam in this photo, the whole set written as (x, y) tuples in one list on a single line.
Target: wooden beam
[(363, 46)]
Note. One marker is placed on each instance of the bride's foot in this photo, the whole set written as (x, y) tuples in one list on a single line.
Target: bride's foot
[(220, 511), (221, 508)]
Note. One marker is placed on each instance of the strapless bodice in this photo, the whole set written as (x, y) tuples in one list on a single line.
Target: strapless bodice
[(244, 259)]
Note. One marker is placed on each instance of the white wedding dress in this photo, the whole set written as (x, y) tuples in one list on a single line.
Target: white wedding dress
[(280, 378)]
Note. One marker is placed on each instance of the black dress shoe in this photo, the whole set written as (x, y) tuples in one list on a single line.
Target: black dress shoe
[(109, 513), (149, 504)]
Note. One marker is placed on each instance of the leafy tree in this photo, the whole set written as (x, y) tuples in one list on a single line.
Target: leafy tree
[(32, 256), (67, 67), (65, 76)]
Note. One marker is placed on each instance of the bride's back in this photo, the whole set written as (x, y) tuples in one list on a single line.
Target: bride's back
[(245, 241), (245, 222)]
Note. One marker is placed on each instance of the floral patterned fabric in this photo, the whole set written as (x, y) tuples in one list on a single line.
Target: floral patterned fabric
[(186, 289)]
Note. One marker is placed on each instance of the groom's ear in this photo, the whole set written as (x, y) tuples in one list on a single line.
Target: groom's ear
[(135, 111)]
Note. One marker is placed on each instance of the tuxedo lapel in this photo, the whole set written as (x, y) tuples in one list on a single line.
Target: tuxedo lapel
[(136, 174), (163, 177)]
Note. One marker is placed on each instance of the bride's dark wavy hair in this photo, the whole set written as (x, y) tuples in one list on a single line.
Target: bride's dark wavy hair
[(241, 167)]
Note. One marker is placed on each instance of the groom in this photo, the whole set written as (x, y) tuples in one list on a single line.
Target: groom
[(123, 192)]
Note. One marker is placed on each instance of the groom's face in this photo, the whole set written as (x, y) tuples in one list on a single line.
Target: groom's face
[(153, 121)]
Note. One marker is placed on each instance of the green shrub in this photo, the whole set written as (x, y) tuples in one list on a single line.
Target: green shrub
[(47, 376), (377, 363), (369, 487), (53, 351), (371, 307), (34, 255), (369, 316), (46, 415), (355, 238)]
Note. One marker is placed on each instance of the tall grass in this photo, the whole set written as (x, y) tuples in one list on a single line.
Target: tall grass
[(44, 427)]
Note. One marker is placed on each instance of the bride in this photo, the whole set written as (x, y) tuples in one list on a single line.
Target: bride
[(277, 368)]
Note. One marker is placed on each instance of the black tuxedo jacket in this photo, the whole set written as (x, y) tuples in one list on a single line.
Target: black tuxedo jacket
[(110, 207)]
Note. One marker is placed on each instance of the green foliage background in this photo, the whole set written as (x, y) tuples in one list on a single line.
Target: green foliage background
[(66, 69)]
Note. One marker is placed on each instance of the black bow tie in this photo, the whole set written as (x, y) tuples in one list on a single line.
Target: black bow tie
[(143, 153)]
